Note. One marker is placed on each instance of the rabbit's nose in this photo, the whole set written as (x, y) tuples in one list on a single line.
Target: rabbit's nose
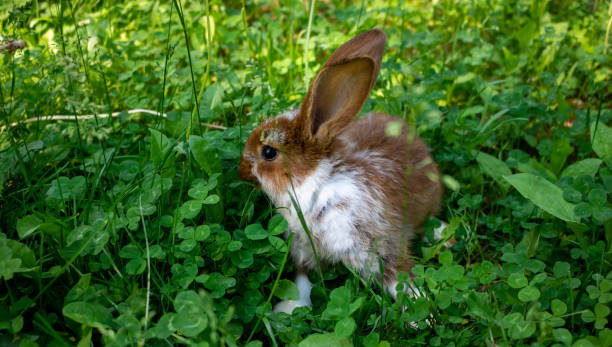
[(245, 171)]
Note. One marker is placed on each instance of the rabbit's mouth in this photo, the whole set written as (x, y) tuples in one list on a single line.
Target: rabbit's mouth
[(245, 172)]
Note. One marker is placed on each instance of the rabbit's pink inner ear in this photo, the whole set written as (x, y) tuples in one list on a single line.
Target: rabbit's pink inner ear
[(338, 94)]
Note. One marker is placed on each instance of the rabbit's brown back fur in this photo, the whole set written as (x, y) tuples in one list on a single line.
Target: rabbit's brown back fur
[(402, 171), (417, 173)]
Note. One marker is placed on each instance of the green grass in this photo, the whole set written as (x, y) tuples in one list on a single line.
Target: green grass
[(135, 229)]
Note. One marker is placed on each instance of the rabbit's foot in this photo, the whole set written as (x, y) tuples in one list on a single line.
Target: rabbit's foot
[(414, 293), (304, 286), (288, 306), (411, 290), (438, 236)]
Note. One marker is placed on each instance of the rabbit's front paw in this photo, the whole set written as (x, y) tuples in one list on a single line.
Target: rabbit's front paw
[(438, 232), (304, 286), (288, 306)]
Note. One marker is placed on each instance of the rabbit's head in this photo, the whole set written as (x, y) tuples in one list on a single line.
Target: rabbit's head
[(291, 145)]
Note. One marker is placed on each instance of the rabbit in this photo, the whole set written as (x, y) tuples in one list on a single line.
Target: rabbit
[(364, 186)]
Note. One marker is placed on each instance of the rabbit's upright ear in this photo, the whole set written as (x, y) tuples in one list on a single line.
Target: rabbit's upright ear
[(340, 89)]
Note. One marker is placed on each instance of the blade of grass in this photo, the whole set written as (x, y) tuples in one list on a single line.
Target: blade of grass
[(608, 30), (308, 29), (6, 117), (365, 284), (148, 255), (175, 215), (242, 214), (270, 331), (275, 285), (179, 10), (206, 76), (245, 26), (296, 206), (160, 108)]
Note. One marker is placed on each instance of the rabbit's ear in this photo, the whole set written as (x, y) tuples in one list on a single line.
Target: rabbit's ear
[(340, 89)]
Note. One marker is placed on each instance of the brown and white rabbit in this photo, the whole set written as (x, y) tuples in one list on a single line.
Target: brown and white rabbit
[(364, 186)]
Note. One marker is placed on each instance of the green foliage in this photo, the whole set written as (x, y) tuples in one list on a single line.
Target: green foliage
[(136, 230), (543, 194)]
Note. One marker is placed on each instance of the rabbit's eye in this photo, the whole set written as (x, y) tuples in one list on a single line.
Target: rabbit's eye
[(269, 153)]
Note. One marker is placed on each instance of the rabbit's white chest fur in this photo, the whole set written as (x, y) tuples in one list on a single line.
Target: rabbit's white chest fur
[(332, 204)]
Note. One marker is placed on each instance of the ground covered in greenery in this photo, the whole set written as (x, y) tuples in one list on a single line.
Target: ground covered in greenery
[(136, 229)]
